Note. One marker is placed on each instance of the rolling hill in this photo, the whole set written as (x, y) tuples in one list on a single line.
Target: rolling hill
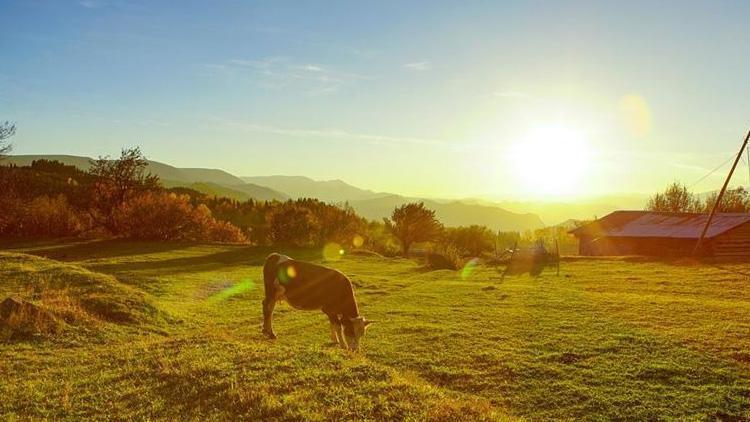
[(370, 204), (164, 171), (242, 192), (452, 213), (376, 205), (305, 187)]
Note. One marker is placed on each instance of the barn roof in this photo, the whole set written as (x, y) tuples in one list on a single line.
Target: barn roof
[(660, 224)]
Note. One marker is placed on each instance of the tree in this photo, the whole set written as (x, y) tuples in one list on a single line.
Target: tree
[(411, 223), (676, 198), (117, 181), (472, 240), (7, 130), (734, 200), (292, 224)]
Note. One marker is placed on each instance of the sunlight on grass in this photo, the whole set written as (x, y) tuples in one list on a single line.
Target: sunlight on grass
[(234, 290), (607, 339)]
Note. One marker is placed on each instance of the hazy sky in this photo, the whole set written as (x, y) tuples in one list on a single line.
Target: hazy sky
[(424, 98)]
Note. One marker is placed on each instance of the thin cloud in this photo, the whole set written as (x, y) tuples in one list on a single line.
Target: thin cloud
[(328, 133), (418, 66), (284, 73)]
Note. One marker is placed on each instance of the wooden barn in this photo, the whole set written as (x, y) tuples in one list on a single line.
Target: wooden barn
[(665, 234)]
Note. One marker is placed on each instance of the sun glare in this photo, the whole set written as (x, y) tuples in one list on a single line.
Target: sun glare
[(551, 161)]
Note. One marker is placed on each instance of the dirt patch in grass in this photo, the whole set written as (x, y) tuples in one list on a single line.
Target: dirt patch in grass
[(20, 320)]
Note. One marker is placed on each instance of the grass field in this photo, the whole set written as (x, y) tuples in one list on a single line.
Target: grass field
[(607, 339)]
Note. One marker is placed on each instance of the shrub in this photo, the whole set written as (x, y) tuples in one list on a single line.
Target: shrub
[(222, 231), (47, 216), (168, 216), (378, 238), (11, 210), (472, 240), (42, 216), (444, 257)]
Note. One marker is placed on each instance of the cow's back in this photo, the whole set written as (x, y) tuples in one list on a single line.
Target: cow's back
[(311, 286)]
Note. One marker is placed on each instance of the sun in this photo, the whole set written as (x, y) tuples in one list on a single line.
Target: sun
[(551, 161)]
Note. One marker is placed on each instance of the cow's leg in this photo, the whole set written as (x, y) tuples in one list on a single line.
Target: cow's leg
[(268, 305), (337, 333), (274, 293)]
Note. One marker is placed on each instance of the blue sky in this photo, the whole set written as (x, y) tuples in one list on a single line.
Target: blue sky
[(421, 98)]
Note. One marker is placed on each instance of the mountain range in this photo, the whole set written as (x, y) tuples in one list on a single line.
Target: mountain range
[(369, 204)]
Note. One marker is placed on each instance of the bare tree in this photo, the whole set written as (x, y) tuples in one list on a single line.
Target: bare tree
[(734, 200), (676, 198), (117, 181), (7, 129)]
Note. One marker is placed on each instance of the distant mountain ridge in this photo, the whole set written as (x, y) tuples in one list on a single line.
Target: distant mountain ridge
[(376, 205), (453, 213), (164, 171), (325, 190), (369, 204)]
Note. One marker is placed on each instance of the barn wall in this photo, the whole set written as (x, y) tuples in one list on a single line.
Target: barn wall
[(614, 246), (733, 244)]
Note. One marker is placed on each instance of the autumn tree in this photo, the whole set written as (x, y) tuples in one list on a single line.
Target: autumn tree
[(292, 224), (733, 200), (412, 223), (7, 130), (118, 180), (676, 198)]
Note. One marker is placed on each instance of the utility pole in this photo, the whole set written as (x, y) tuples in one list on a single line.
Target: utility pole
[(721, 194)]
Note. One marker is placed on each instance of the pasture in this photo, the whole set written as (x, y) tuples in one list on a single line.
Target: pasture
[(607, 339)]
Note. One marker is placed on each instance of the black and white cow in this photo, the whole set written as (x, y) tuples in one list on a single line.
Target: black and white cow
[(310, 287)]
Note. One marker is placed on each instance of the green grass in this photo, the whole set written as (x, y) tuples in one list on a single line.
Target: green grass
[(607, 339)]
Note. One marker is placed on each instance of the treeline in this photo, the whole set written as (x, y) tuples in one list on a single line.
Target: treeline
[(115, 198), (678, 198), (119, 198)]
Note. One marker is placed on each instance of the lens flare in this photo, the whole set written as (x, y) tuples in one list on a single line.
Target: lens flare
[(358, 241), (469, 268), (234, 290), (637, 115), (286, 274), (332, 252)]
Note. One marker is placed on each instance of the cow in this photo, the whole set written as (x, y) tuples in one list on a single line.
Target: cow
[(309, 286)]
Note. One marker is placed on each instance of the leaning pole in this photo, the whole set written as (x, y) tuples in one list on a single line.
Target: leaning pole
[(721, 194)]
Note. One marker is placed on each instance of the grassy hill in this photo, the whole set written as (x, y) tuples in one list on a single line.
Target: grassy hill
[(69, 298), (607, 339)]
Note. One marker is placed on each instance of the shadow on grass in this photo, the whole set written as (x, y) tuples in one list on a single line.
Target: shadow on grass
[(73, 250), (234, 256)]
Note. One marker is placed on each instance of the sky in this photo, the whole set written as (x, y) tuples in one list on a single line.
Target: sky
[(512, 100)]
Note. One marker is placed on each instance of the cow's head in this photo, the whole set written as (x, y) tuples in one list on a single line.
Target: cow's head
[(355, 331)]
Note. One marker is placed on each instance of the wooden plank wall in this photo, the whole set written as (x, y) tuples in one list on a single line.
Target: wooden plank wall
[(733, 244)]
